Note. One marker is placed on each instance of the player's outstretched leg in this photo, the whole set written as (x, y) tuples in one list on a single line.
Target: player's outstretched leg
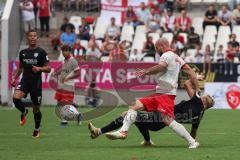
[(129, 119), (95, 132), (37, 119), (180, 130), (18, 95)]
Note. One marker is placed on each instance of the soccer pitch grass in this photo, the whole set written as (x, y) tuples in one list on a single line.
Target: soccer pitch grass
[(218, 135)]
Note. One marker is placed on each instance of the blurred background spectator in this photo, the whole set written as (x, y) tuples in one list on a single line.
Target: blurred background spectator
[(225, 16), (210, 17), (149, 47), (207, 53), (113, 31), (183, 22), (92, 94), (68, 37), (193, 39), (230, 54), (28, 16), (236, 15), (131, 17), (44, 16), (84, 31), (143, 14), (168, 21)]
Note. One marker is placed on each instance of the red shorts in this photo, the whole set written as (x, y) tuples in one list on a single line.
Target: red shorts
[(159, 102), (64, 96)]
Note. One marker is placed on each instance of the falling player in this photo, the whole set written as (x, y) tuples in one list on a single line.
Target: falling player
[(163, 100), (190, 111), (32, 62)]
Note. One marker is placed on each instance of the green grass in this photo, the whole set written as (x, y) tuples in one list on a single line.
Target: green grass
[(218, 135)]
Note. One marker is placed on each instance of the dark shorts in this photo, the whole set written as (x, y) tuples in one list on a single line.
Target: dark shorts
[(150, 120), (34, 88)]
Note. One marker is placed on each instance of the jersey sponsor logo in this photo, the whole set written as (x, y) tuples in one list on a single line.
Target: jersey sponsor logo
[(30, 61), (35, 55)]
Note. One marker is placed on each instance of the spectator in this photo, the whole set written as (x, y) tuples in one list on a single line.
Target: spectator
[(182, 4), (28, 15), (153, 22), (78, 49), (66, 24), (210, 17), (118, 53), (220, 58), (189, 58), (143, 14), (92, 42), (230, 54), (93, 52), (233, 40), (169, 21), (149, 47), (35, 10), (170, 4), (184, 22), (193, 38), (44, 16), (198, 57), (238, 53), (134, 57), (113, 31), (236, 15), (131, 17), (161, 5), (207, 53), (84, 31), (231, 3), (107, 46), (68, 38), (56, 38), (66, 5), (92, 94), (225, 16), (178, 44)]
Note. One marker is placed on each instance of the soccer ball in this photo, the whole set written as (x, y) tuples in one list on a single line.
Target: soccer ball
[(68, 112)]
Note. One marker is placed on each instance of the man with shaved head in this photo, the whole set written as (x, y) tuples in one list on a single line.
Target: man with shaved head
[(169, 66)]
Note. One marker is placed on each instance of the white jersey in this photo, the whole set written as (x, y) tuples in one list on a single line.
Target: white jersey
[(68, 68), (168, 80)]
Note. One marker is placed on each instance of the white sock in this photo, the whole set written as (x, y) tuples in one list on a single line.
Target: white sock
[(181, 131), (129, 119), (99, 131)]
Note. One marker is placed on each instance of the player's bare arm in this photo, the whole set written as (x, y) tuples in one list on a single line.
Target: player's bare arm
[(192, 76), (46, 68), (162, 66), (75, 74), (17, 74)]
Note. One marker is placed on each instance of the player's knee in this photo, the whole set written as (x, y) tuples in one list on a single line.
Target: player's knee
[(36, 109), (36, 101), (16, 100), (167, 119)]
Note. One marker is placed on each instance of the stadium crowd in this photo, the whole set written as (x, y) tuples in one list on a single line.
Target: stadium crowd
[(159, 17)]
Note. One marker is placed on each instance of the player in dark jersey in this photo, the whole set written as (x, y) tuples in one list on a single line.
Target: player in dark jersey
[(32, 62), (190, 111)]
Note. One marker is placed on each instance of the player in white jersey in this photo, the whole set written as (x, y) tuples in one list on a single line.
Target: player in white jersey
[(163, 100), (66, 75)]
